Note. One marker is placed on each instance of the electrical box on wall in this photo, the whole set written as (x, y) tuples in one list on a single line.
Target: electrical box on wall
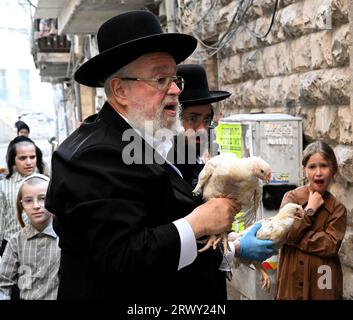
[(278, 139)]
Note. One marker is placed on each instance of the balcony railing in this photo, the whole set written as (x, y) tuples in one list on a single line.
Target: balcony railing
[(46, 38), (53, 43)]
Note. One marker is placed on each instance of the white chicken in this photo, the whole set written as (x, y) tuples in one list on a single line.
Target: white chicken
[(228, 176), (274, 228)]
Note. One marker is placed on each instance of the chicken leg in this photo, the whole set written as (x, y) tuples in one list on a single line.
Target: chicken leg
[(266, 280), (214, 240)]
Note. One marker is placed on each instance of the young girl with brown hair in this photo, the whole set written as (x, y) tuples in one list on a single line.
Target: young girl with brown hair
[(309, 266)]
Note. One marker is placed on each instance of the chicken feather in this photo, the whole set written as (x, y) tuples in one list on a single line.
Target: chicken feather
[(228, 176), (273, 228)]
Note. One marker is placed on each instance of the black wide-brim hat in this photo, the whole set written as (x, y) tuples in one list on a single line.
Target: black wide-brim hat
[(124, 38), (196, 91), (21, 125)]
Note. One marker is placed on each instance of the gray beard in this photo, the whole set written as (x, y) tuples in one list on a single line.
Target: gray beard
[(139, 121)]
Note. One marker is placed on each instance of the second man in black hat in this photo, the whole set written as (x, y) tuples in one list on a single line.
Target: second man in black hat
[(196, 116)]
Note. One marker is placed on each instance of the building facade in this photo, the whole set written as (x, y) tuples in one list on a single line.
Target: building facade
[(21, 89)]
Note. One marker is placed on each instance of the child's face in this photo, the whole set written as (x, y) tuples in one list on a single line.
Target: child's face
[(33, 198), (23, 132), (318, 171), (25, 159)]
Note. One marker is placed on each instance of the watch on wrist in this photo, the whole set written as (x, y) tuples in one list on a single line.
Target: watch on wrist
[(310, 212)]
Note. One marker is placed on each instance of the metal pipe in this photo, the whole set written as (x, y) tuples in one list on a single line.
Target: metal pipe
[(170, 10), (78, 101)]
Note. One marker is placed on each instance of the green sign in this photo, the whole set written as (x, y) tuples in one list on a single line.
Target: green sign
[(229, 138), (238, 225)]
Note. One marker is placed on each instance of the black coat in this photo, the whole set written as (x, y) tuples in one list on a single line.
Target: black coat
[(115, 221), (185, 160)]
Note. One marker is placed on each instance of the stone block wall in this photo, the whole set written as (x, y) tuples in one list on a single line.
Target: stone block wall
[(301, 68)]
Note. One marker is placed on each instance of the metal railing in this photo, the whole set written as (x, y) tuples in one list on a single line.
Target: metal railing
[(53, 43)]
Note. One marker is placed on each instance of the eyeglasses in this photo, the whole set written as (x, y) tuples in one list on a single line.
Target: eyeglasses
[(29, 202), (195, 120), (162, 83)]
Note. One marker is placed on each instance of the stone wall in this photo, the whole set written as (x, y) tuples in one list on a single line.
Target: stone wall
[(301, 68)]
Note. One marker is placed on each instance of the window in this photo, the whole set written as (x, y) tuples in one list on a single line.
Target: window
[(24, 87), (3, 85)]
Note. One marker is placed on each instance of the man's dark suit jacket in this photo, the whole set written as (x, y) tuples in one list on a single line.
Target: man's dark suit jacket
[(115, 221), (185, 161)]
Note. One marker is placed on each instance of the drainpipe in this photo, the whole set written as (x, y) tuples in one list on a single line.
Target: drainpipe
[(170, 10), (350, 19), (78, 102)]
